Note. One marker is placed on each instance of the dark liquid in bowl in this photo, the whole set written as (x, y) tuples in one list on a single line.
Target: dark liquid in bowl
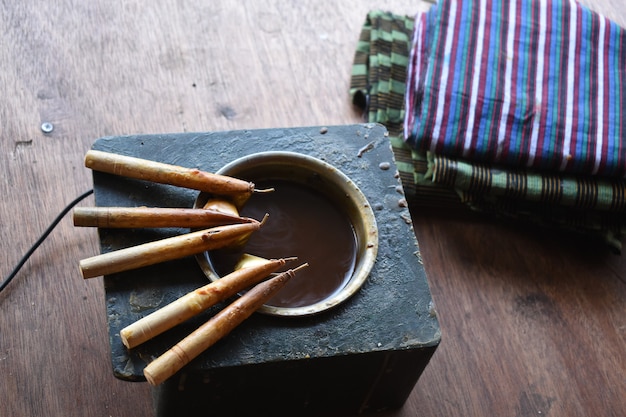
[(304, 223)]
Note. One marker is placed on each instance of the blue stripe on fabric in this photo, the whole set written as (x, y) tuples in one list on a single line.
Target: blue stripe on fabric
[(621, 95), (460, 69), (612, 157), (618, 91), (486, 117), (521, 97), (608, 96), (434, 77), (580, 155), (555, 29)]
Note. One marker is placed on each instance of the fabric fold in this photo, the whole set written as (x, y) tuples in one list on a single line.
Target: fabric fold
[(511, 108), (536, 84), (385, 43)]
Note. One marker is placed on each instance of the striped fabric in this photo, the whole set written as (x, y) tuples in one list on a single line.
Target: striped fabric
[(377, 87), (378, 79), (591, 205), (583, 192), (584, 204), (598, 227), (526, 83)]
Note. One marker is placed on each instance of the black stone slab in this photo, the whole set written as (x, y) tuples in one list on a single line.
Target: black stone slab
[(364, 355)]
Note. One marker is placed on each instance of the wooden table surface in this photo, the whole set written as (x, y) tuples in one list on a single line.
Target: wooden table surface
[(532, 323)]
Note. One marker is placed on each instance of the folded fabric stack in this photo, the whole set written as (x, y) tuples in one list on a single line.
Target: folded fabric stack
[(510, 107)]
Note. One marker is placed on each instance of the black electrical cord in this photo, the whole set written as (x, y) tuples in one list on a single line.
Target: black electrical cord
[(43, 237)]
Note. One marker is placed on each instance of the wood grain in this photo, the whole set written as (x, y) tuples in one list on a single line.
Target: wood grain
[(533, 323)]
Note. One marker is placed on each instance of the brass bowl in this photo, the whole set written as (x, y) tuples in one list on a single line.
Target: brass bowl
[(337, 187)]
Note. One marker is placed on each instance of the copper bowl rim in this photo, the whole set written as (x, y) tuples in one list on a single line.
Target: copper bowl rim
[(356, 205)]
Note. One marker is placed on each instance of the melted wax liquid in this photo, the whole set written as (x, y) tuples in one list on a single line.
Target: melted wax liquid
[(304, 223)]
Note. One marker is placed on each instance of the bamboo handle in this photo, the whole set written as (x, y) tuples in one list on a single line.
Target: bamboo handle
[(195, 302), (138, 217), (166, 249), (213, 330), (144, 169)]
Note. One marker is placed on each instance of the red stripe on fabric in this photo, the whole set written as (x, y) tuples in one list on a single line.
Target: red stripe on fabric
[(541, 107), (417, 44)]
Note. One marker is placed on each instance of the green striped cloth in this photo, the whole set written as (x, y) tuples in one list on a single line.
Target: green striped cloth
[(378, 86), (582, 204), (582, 192)]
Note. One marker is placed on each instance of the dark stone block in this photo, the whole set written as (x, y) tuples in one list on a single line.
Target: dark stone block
[(364, 355)]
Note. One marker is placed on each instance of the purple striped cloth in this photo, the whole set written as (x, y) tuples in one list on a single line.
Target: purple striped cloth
[(537, 84)]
